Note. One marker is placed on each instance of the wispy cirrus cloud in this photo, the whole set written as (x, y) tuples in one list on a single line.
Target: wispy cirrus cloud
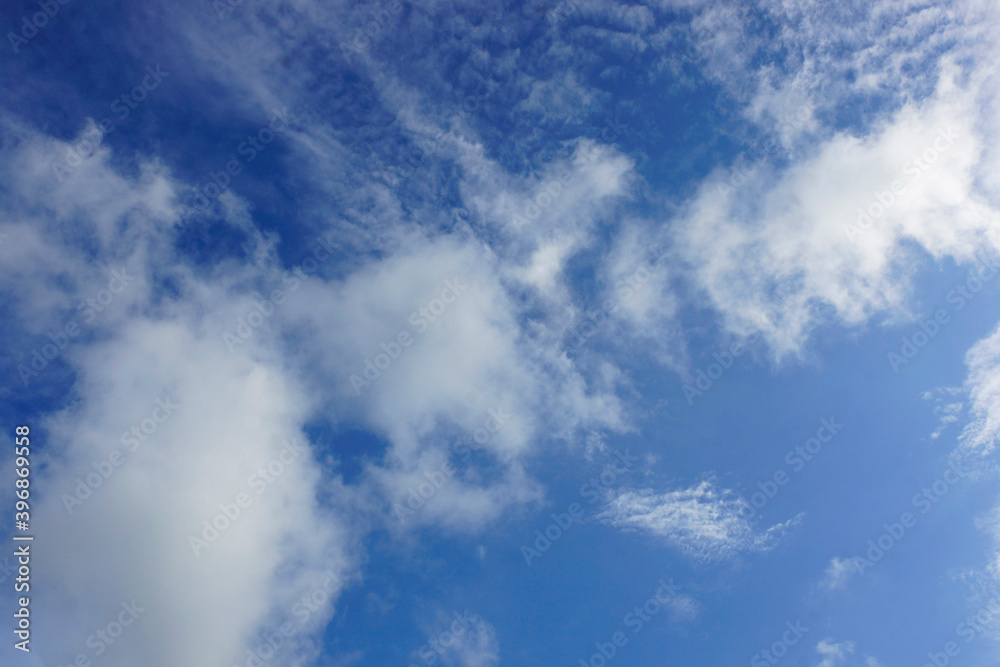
[(702, 521)]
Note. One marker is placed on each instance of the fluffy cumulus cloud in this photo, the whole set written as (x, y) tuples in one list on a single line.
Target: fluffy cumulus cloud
[(702, 521), (817, 223), (171, 450), (226, 477), (836, 234)]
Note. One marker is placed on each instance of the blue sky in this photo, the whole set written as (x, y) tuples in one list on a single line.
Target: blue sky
[(542, 333)]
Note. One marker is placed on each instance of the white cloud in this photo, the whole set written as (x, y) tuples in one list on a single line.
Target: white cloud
[(977, 445), (684, 608), (233, 417), (462, 360), (461, 502), (983, 385), (459, 639), (839, 653), (638, 281), (945, 407), (240, 406), (498, 342), (702, 521), (796, 230), (837, 573), (164, 425), (478, 647), (559, 98), (833, 653)]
